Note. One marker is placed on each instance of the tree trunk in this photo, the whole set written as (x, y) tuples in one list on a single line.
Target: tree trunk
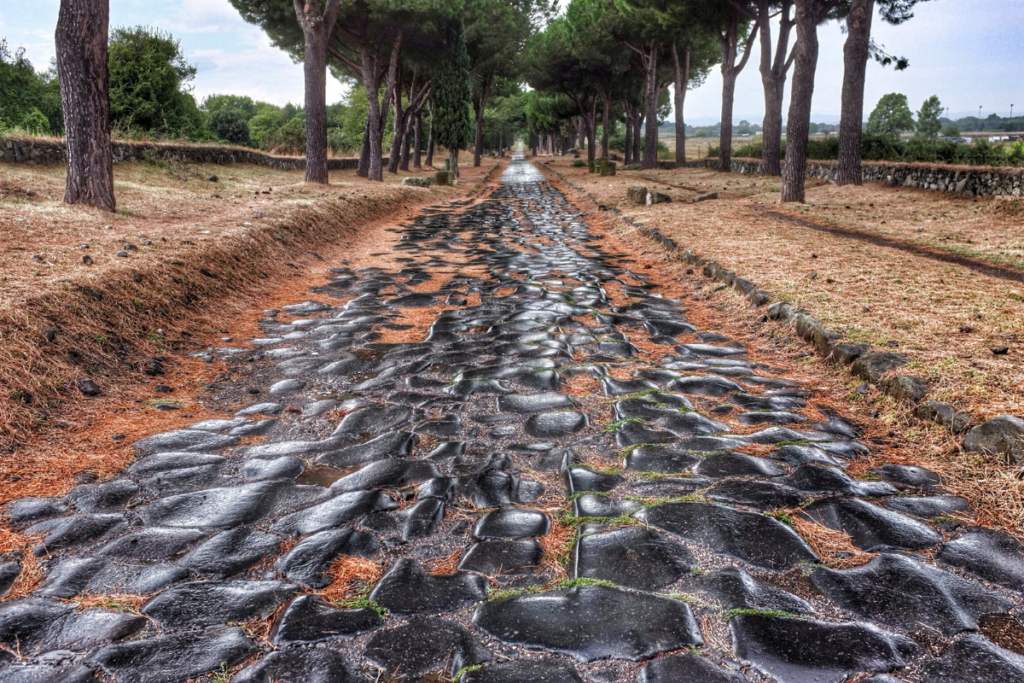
[(637, 129), (429, 161), (798, 125), (363, 169), (628, 152), (591, 138), (453, 157), (682, 82), (773, 78), (650, 159), (481, 106), (399, 131), (606, 120), (81, 38), (855, 63), (581, 133), (725, 136), (403, 165), (417, 140), (317, 26)]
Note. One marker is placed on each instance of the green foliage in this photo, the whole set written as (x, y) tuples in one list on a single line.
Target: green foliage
[(579, 163), (950, 131), (890, 117), (928, 124), (242, 103), (452, 124), (27, 97), (149, 79), (229, 125), (877, 148)]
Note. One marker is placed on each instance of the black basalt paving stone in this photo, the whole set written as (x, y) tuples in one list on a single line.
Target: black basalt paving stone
[(217, 507), (307, 563), (555, 424), (750, 402), (814, 479), (24, 510), (91, 629), (641, 409), (902, 593), (687, 668), (100, 576), (106, 497), (736, 589), (524, 671), (534, 403), (422, 646), (512, 523), (24, 622), (230, 552), (185, 440), (972, 659), (9, 572), (210, 603), (334, 512), (300, 665), (615, 387), (422, 518), (762, 495), (708, 444), (632, 557), (905, 475), (926, 507), (993, 555), (669, 328), (391, 473), (407, 589), (469, 387), (748, 536), (592, 622), (801, 455), (374, 420), (687, 424), (737, 465), (47, 673), (69, 531), (173, 657), (705, 385), (151, 544), (870, 527), (659, 459), (632, 433), (771, 418), (773, 435), (285, 467), (163, 462), (839, 427), (449, 425), (809, 651), (494, 557), (393, 445), (590, 505), (308, 619), (580, 479)]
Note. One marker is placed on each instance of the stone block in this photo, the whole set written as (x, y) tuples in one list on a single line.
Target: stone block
[(637, 194), (657, 198), (1002, 435), (606, 167), (417, 182), (444, 178)]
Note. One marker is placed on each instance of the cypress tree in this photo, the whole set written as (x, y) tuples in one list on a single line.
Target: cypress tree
[(452, 94)]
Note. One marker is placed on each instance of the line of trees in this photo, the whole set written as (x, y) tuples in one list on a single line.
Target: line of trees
[(452, 63)]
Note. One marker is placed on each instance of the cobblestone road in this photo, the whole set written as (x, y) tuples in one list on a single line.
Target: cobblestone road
[(558, 479)]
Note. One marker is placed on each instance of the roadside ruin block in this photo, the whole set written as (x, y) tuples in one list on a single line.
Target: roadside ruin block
[(637, 194)]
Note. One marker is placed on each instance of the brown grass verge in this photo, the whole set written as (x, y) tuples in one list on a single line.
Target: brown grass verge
[(833, 546), (557, 545), (121, 602), (19, 546)]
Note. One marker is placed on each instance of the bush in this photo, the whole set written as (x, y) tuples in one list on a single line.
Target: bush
[(36, 123), (579, 163), (229, 125)]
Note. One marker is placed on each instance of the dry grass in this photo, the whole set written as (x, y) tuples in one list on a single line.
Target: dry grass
[(351, 577), (449, 564), (557, 545), (943, 315), (121, 602), (19, 546), (831, 545)]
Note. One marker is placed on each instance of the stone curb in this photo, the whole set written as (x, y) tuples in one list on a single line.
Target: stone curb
[(1002, 435)]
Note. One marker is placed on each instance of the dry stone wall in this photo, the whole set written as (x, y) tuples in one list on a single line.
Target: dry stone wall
[(983, 181), (52, 153)]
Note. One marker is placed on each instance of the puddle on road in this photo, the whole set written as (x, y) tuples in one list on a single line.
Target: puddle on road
[(323, 475)]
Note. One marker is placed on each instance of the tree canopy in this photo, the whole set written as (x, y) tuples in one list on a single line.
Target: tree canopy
[(891, 117)]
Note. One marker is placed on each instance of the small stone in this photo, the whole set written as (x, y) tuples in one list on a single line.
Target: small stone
[(1002, 435), (87, 260), (162, 389), (1001, 350), (122, 254), (88, 387)]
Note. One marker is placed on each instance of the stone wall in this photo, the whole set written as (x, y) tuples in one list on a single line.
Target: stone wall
[(44, 152), (981, 181)]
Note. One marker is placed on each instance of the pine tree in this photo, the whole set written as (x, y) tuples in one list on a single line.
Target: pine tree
[(452, 94)]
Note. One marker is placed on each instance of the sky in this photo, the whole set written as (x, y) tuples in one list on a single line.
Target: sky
[(968, 52)]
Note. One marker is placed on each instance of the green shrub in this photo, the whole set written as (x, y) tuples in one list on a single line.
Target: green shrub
[(579, 163)]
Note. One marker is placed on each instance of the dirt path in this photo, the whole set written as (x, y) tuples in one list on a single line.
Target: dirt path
[(499, 453)]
